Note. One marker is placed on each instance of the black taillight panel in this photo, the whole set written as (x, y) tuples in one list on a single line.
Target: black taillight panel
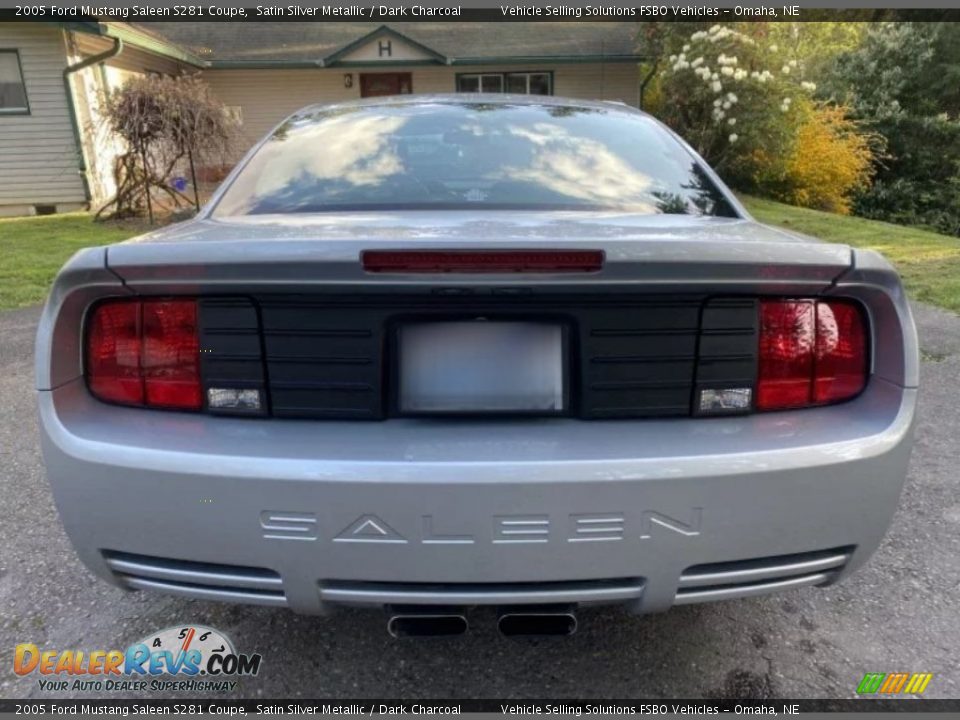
[(637, 358), (727, 352), (326, 359), (312, 357), (317, 357), (231, 357)]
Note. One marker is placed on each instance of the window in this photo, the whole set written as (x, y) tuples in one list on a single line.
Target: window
[(529, 83), (13, 92), (485, 82), (521, 83), (472, 154)]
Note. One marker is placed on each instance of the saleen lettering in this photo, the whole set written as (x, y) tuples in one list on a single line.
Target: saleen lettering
[(503, 529)]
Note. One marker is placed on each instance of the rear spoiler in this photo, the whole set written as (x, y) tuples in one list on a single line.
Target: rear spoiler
[(671, 265)]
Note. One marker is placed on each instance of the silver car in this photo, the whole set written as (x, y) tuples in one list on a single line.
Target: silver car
[(436, 352)]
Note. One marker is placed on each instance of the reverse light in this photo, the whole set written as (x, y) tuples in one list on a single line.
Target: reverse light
[(717, 401), (233, 399), (812, 352), (145, 353)]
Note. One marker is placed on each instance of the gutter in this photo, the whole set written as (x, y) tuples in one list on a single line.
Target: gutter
[(327, 63), (150, 43), (543, 59), (265, 64), (72, 108)]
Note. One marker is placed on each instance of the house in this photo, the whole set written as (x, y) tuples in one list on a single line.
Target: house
[(55, 154)]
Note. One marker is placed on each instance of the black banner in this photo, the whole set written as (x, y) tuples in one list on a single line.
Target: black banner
[(191, 706), (310, 12)]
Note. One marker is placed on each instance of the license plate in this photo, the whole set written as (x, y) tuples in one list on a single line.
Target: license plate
[(481, 367)]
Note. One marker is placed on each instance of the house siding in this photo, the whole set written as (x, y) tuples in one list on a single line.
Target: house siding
[(39, 161), (265, 97), (99, 146)]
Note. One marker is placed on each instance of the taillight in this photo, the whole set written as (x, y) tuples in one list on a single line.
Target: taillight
[(787, 340), (812, 352), (146, 353), (113, 353)]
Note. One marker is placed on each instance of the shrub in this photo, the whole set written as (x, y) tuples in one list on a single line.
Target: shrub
[(166, 124), (831, 161), (737, 99)]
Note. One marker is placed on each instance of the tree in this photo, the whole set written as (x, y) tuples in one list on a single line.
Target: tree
[(903, 82), (815, 45), (166, 123)]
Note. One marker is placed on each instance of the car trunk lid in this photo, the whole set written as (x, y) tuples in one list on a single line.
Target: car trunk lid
[(322, 253)]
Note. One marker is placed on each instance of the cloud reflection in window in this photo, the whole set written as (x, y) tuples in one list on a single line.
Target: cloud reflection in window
[(581, 168), (349, 149)]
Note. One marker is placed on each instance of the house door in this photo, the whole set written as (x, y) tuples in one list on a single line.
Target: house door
[(375, 84)]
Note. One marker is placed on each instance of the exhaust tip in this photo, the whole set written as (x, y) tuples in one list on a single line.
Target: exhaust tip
[(537, 621), (416, 622)]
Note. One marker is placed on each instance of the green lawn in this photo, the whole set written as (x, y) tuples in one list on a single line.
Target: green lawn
[(33, 249), (928, 263)]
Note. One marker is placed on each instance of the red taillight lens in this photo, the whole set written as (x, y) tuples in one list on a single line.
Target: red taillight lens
[(145, 353), (787, 338), (171, 354), (811, 353), (113, 353), (841, 357)]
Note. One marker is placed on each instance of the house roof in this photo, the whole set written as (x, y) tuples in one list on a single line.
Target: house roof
[(324, 44), (138, 35)]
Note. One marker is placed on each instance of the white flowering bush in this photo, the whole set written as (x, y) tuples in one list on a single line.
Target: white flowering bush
[(738, 100)]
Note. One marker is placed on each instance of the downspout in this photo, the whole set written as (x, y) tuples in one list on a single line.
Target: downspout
[(646, 81), (72, 108)]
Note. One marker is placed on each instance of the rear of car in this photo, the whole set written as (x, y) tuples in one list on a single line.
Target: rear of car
[(363, 378)]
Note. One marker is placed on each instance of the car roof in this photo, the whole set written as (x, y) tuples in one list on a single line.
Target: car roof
[(471, 99)]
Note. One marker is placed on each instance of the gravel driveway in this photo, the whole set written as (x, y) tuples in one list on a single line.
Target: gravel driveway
[(898, 614)]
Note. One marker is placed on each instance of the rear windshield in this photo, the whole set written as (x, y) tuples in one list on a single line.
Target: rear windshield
[(471, 156)]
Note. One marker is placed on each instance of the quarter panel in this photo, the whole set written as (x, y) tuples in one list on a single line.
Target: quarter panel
[(58, 349), (896, 349)]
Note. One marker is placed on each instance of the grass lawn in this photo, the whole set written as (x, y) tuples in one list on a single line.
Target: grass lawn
[(33, 249), (928, 263)]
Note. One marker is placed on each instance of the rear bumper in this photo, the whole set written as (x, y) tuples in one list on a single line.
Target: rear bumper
[(463, 512)]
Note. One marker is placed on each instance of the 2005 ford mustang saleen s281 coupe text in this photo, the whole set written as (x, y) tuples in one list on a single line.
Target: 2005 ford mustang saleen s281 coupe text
[(433, 352)]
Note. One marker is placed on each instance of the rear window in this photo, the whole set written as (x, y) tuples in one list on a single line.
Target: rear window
[(471, 155)]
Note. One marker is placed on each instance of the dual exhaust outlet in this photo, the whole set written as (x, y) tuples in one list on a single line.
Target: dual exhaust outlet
[(516, 621)]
